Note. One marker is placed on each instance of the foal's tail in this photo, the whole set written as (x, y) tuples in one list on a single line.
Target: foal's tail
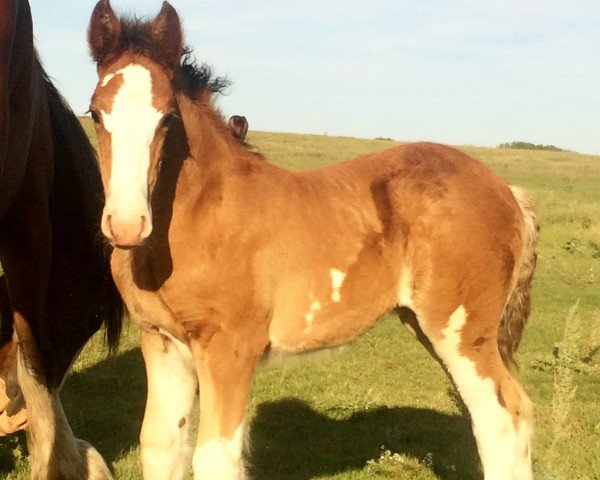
[(517, 309)]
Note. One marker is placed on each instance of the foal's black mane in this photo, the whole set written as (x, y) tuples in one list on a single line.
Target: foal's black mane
[(136, 37), (195, 79)]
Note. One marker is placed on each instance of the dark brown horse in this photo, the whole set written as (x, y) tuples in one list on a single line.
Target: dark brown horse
[(221, 256), (56, 290)]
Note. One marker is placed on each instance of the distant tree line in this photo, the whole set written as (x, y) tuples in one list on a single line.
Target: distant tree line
[(529, 146)]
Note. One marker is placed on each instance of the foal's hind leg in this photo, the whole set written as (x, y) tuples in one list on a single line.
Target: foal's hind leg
[(172, 386), (501, 413)]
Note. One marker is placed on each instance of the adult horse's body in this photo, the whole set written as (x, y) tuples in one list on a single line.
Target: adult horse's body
[(221, 256), (56, 288)]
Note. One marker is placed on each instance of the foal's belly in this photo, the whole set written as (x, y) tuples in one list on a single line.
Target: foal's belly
[(311, 309), (326, 315), (301, 334)]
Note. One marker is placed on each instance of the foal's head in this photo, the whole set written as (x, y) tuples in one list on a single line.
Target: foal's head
[(132, 107)]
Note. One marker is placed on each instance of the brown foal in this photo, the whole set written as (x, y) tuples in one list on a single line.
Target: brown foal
[(220, 256)]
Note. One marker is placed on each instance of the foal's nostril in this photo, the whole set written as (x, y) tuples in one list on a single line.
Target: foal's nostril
[(146, 227), (128, 231), (143, 226), (106, 225), (109, 225)]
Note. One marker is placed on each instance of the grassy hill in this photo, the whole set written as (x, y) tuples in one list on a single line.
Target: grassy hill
[(381, 407)]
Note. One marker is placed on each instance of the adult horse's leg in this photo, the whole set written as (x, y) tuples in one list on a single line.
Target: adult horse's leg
[(172, 387), (25, 243), (15, 418), (13, 415), (226, 361), (54, 453)]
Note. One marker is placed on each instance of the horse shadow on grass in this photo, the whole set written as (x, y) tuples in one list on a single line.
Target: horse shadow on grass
[(291, 440), (105, 403)]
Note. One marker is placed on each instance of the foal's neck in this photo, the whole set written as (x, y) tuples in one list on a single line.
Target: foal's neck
[(211, 146)]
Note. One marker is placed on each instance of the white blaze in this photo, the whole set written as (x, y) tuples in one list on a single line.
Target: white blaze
[(132, 124)]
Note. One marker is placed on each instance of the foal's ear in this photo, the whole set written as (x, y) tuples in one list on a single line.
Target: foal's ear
[(166, 33), (104, 31)]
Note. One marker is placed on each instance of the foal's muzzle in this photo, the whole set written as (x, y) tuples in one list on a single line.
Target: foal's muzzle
[(126, 233)]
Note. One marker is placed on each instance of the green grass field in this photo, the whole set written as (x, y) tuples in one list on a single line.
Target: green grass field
[(381, 407)]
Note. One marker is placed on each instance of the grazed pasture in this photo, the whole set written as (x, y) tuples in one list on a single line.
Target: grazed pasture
[(381, 407)]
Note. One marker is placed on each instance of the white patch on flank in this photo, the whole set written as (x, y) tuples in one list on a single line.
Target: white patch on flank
[(220, 458), (107, 79), (406, 292), (337, 280), (315, 306), (132, 124), (493, 427)]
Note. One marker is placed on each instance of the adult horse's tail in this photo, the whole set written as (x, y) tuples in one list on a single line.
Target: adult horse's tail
[(517, 310), (76, 205)]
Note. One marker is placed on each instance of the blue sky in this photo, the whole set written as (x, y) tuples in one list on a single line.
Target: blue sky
[(462, 72)]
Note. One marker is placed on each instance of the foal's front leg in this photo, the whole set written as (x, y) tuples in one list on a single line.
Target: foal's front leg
[(172, 386), (225, 363)]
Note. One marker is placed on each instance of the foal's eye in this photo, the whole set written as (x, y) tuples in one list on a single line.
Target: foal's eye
[(95, 116), (168, 120)]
